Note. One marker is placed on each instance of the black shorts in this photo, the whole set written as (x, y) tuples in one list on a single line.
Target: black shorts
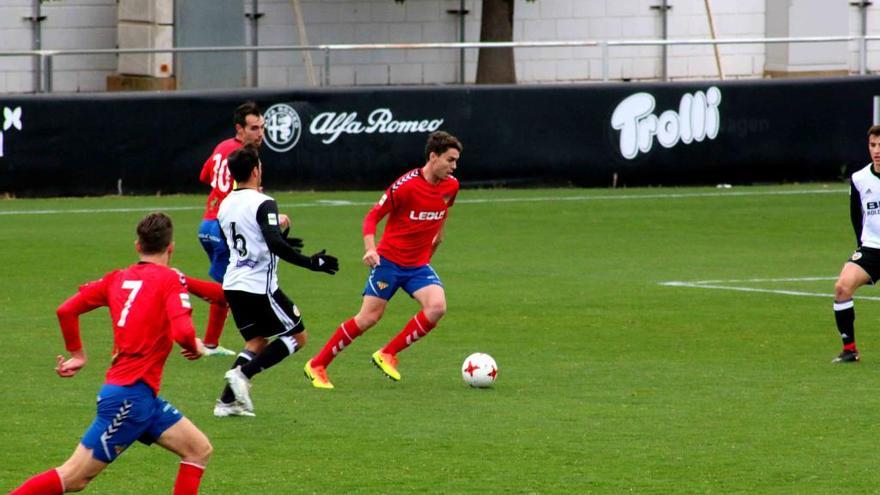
[(262, 315), (869, 260)]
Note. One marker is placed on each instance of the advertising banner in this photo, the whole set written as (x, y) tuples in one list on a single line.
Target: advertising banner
[(624, 134)]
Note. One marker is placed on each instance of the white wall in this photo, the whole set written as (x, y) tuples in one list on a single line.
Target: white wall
[(92, 24), (69, 24)]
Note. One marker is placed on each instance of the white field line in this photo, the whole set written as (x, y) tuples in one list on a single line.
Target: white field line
[(722, 285), (337, 203)]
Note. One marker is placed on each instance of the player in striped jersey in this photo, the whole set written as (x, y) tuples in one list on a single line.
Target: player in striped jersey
[(863, 267), (417, 206), (149, 307), (251, 225)]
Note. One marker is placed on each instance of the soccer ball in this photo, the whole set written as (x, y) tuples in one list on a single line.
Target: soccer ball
[(479, 370)]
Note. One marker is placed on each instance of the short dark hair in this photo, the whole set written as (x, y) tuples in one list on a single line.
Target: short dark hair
[(155, 232), (242, 162), (874, 130), (439, 142), (243, 110)]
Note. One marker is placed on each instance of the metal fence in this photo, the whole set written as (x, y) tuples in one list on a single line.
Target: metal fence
[(45, 58)]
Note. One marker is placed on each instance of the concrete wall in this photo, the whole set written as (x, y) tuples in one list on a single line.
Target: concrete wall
[(92, 24)]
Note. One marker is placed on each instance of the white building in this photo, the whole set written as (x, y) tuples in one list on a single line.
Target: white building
[(87, 24)]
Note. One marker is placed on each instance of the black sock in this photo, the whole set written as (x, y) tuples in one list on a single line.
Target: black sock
[(845, 316), (244, 357), (273, 354)]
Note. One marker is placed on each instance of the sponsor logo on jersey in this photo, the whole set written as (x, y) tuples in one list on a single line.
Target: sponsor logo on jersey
[(246, 262), (283, 127), (872, 208), (381, 120), (11, 120), (697, 118), (426, 215)]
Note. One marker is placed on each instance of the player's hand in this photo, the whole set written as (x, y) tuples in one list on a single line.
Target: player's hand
[(283, 221), (66, 368), (295, 242), (371, 258), (323, 262), (193, 355)]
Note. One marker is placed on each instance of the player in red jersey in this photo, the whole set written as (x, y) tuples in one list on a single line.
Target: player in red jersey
[(248, 121), (149, 307), (417, 205)]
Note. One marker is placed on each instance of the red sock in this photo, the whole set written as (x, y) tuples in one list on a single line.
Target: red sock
[(416, 328), (343, 336), (216, 319), (850, 347), (189, 476), (48, 483)]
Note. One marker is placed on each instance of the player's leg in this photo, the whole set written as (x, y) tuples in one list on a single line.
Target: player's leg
[(123, 415), (372, 309), (425, 286), (282, 318), (194, 449), (72, 476), (227, 405), (273, 315), (852, 276), (212, 292), (380, 287)]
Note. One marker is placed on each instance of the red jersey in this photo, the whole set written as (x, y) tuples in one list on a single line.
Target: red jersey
[(215, 173), (149, 308), (416, 210)]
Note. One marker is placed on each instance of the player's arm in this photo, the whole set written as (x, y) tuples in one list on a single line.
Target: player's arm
[(267, 219), (371, 222), (208, 290), (207, 169), (178, 310), (89, 297), (855, 212), (438, 239)]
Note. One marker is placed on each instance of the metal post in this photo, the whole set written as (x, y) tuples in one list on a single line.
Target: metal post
[(326, 67), (48, 71), (254, 17), (664, 34), (876, 115), (604, 45), (37, 42), (461, 37), (863, 43), (460, 12)]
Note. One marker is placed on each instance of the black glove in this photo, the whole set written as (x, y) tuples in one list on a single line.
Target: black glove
[(295, 242), (322, 262)]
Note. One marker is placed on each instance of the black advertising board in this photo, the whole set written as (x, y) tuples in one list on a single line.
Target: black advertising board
[(698, 132)]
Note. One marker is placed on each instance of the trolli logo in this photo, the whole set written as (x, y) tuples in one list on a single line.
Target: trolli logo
[(381, 120), (11, 120), (697, 118), (283, 127)]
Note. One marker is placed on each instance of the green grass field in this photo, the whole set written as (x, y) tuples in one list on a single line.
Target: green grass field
[(610, 381)]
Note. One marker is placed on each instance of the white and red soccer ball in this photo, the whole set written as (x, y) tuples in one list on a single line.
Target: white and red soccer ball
[(479, 370)]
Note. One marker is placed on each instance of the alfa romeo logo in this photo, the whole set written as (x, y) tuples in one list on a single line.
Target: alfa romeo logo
[(283, 127)]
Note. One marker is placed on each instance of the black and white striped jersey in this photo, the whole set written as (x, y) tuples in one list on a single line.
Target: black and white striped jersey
[(252, 265), (865, 206)]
